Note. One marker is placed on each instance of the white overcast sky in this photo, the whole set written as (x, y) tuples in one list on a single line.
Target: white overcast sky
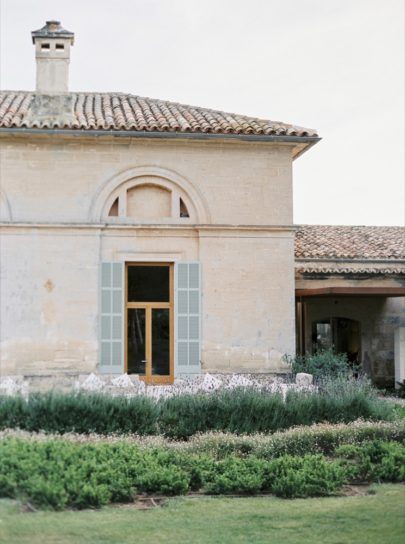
[(333, 65)]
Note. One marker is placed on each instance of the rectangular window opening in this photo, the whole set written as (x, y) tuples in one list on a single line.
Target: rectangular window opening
[(60, 46), (45, 45)]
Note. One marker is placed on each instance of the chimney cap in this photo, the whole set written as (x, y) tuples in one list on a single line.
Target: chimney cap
[(52, 29)]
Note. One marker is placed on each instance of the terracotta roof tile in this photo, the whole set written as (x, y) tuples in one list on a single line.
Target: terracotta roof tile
[(116, 111), (325, 242)]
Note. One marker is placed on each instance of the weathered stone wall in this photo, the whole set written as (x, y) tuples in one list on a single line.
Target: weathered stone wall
[(51, 252), (49, 298), (242, 183), (246, 294)]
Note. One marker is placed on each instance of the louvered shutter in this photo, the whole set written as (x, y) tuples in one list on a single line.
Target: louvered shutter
[(188, 318), (111, 358)]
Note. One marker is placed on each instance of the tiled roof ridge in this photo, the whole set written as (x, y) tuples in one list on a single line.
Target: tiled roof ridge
[(304, 225), (126, 111)]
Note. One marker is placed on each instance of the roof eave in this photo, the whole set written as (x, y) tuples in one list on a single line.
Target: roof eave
[(327, 259), (305, 141), (309, 142)]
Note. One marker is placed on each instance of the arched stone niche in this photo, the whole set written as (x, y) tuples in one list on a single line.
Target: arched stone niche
[(148, 199), (149, 195)]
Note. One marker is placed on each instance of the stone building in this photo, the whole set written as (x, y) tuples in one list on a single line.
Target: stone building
[(155, 238)]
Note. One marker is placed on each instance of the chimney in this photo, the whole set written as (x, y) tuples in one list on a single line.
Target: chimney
[(52, 54)]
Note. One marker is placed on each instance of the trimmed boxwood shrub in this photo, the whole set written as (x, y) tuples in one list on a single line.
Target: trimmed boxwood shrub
[(374, 461), (56, 474), (234, 475), (308, 476)]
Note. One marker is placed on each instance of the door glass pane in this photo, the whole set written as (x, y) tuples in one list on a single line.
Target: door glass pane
[(161, 341), (148, 284), (136, 341)]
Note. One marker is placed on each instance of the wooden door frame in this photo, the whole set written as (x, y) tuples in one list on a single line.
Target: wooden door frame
[(149, 378)]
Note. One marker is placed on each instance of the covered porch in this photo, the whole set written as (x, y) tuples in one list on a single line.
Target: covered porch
[(361, 322)]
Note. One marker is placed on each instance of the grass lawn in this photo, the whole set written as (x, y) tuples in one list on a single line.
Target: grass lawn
[(359, 519)]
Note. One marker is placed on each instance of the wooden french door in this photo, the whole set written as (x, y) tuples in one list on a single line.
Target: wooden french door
[(149, 345)]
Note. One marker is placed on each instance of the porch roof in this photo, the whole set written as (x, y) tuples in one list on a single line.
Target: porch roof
[(327, 249), (350, 242)]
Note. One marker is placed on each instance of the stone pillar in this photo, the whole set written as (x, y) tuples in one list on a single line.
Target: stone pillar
[(399, 355)]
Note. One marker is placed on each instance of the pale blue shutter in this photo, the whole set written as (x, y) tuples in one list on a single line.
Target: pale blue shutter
[(111, 359), (188, 318)]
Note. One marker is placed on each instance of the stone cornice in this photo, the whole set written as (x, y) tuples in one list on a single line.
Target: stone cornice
[(163, 226)]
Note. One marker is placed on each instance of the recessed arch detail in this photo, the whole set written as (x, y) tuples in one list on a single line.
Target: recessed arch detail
[(178, 186), (5, 208)]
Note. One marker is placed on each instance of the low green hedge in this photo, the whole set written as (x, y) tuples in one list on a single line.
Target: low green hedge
[(322, 438), (82, 413), (237, 411), (56, 474)]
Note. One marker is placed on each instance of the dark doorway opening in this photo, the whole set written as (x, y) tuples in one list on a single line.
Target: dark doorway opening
[(149, 321), (340, 334)]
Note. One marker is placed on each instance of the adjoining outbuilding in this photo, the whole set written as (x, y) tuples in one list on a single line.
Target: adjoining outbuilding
[(350, 295)]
